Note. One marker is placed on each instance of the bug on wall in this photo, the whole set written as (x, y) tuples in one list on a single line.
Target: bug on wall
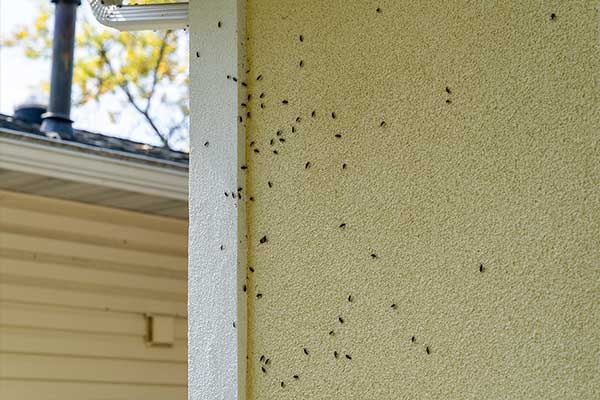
[(373, 255), (226, 194), (219, 24), (271, 142), (234, 324), (275, 152), (251, 198), (278, 133), (262, 358), (234, 78), (259, 295), (282, 384), (382, 124), (344, 165), (228, 76), (350, 298), (393, 306), (552, 16), (448, 90), (197, 54), (413, 339), (243, 104), (301, 38), (378, 9), (263, 370), (263, 240), (293, 129), (244, 288), (270, 184), (427, 350), (307, 165), (313, 114), (335, 354), (331, 333), (297, 119), (282, 140), (305, 350), (481, 267), (301, 63), (348, 356), (337, 135), (222, 247), (333, 115), (251, 269), (258, 78), (284, 102), (267, 361), (262, 95), (296, 377), (341, 320), (240, 117), (262, 105), (448, 101), (343, 225), (243, 167), (252, 143), (206, 144), (256, 150), (244, 84)]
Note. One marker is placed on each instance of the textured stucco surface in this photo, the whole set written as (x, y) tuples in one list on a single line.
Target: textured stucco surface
[(505, 175)]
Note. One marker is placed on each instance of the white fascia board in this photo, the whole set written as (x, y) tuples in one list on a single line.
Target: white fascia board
[(77, 166)]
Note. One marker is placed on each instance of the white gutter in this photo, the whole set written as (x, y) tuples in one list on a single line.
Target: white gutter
[(77, 166), (140, 17)]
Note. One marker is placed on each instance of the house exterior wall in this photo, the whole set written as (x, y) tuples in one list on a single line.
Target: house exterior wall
[(447, 240), (76, 284)]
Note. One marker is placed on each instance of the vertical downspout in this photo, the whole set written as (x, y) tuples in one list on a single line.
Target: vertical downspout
[(57, 120)]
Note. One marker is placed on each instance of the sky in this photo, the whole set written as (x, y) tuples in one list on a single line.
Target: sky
[(20, 79)]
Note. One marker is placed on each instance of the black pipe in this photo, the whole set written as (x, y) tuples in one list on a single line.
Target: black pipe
[(58, 118)]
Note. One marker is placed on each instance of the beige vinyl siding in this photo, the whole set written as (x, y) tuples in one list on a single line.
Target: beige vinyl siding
[(77, 283)]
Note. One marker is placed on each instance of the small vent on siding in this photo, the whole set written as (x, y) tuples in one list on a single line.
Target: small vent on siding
[(161, 330)]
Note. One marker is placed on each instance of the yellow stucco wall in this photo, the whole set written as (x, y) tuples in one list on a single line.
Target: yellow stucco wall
[(502, 172)]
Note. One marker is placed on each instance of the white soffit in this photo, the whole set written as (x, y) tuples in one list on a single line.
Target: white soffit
[(140, 17), (78, 166)]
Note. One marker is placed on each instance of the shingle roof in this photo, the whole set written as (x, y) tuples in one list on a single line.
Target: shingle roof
[(92, 142)]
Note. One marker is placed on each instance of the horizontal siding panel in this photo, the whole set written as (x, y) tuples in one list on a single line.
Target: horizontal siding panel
[(92, 264), (30, 341), (89, 212), (77, 283), (85, 231), (54, 246), (36, 292), (26, 366), (165, 287), (71, 390), (75, 286), (72, 319)]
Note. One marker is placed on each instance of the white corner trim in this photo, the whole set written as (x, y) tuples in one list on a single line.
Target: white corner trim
[(140, 17), (217, 253), (77, 166)]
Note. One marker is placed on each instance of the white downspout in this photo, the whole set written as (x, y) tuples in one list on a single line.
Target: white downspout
[(140, 17)]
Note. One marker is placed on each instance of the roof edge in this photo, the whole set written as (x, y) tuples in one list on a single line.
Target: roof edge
[(86, 164)]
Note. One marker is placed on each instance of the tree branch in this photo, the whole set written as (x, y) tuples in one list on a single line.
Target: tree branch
[(161, 54), (164, 139)]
